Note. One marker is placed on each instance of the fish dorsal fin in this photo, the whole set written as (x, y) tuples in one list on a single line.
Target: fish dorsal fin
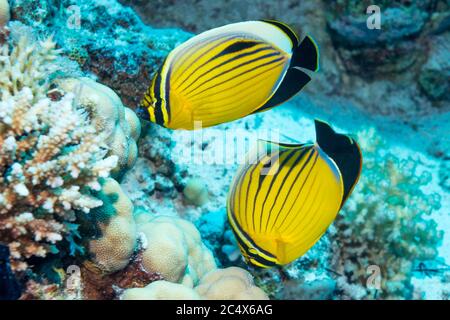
[(344, 151), (305, 56), (286, 29)]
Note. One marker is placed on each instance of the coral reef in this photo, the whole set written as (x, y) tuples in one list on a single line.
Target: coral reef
[(229, 284), (435, 72), (161, 290), (173, 248), (195, 192), (49, 154), (4, 13), (221, 284), (100, 286), (385, 224), (119, 124), (105, 38), (159, 229), (115, 245), (359, 63), (320, 289)]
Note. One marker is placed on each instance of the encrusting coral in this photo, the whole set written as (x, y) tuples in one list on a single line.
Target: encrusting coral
[(220, 284), (384, 224), (113, 249), (49, 154), (173, 248), (120, 124), (232, 283), (195, 192), (161, 290)]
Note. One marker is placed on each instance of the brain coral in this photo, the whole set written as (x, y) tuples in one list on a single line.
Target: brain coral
[(161, 290), (113, 249), (173, 248), (120, 124), (232, 283)]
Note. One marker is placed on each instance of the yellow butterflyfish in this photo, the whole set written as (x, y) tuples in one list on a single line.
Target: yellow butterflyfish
[(228, 73), (286, 195)]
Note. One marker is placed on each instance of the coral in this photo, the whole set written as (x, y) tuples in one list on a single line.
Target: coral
[(195, 191), (220, 284), (367, 51), (229, 284), (113, 249), (173, 248), (4, 13), (98, 286), (110, 41), (50, 155), (444, 174), (119, 124), (384, 223), (320, 289), (27, 65), (9, 286), (161, 290), (435, 73)]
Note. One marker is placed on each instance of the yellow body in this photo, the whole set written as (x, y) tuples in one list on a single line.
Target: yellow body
[(279, 216), (221, 75)]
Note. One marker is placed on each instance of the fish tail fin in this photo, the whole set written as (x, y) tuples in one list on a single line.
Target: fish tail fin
[(344, 151), (306, 55)]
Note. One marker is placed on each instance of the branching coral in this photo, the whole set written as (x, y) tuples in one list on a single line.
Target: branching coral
[(49, 153), (119, 124), (384, 223), (27, 65)]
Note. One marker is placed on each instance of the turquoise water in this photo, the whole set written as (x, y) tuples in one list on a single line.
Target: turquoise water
[(88, 189)]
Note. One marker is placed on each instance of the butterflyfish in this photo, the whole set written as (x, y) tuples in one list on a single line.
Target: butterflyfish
[(228, 73), (285, 196)]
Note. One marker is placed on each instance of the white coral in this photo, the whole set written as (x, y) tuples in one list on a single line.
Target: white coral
[(49, 153)]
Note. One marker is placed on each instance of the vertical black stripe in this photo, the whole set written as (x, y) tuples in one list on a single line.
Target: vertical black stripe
[(280, 166), (295, 180), (157, 91), (300, 156), (167, 93), (301, 188)]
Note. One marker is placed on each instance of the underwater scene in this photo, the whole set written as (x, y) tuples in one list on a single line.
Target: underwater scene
[(224, 150)]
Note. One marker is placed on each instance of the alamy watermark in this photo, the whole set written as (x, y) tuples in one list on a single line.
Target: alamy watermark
[(374, 279), (374, 20)]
